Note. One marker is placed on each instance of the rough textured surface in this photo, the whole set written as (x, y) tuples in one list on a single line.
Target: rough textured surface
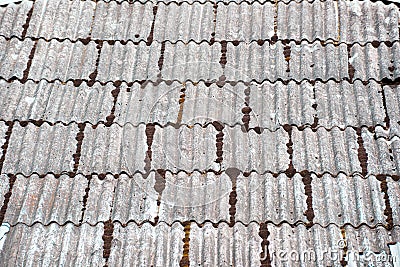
[(199, 133)]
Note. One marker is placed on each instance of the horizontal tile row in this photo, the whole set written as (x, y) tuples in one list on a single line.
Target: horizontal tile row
[(117, 149), (162, 245), (55, 102), (272, 104), (349, 22), (200, 197), (64, 61)]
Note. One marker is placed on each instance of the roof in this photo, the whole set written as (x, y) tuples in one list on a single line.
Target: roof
[(199, 133)]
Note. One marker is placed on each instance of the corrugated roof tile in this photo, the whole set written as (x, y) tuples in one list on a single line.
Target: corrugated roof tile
[(350, 200), (147, 245), (380, 153), (67, 245), (130, 62), (14, 57), (46, 200), (133, 23), (349, 104), (192, 62), (195, 197), (41, 149), (123, 199), (193, 148), (376, 63), (248, 151), (184, 22), (63, 61), (248, 62), (295, 20), (244, 21), (392, 101), (157, 103), (55, 102), (113, 149), (367, 21), (239, 245), (61, 19), (262, 198), (326, 151), (13, 17)]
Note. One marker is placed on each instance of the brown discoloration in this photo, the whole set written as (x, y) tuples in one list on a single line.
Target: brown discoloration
[(85, 198), (224, 49), (27, 21), (159, 185), (362, 154), (233, 174), (246, 110), (215, 10), (287, 52), (386, 119), (107, 239), (7, 197), (291, 171), (150, 37), (265, 254), (150, 130), (93, 75), (219, 141), (343, 261), (181, 105), (4, 147), (185, 261), (29, 63), (388, 208), (161, 59), (115, 93), (79, 138), (309, 213)]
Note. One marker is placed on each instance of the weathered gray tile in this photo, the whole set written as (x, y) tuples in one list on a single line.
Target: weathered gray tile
[(69, 245), (184, 148), (349, 104), (13, 17), (130, 62), (239, 245), (303, 20), (61, 19), (367, 21), (244, 21), (264, 197), (347, 200), (41, 149), (123, 199), (196, 197), (14, 56), (371, 62), (380, 153), (324, 151), (184, 22), (158, 103), (147, 245), (113, 149), (63, 61), (248, 151), (133, 23), (192, 62), (266, 62), (392, 100), (54, 102), (45, 200)]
